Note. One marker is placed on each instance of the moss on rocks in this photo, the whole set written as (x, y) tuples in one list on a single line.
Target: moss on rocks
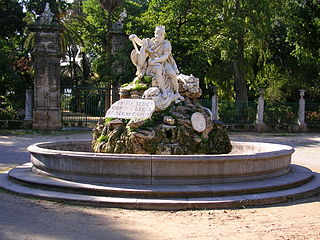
[(155, 136)]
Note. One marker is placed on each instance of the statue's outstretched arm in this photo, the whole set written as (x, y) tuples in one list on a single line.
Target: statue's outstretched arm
[(136, 39)]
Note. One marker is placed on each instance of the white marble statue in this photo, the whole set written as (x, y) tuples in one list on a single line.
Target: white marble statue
[(190, 86), (161, 103), (155, 59)]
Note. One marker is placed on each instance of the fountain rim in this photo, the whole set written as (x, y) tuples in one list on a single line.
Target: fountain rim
[(265, 151), (272, 160)]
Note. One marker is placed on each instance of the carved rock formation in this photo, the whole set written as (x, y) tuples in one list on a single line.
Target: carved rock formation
[(167, 132)]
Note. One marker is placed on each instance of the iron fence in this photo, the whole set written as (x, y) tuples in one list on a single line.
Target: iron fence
[(280, 113), (83, 106), (275, 113), (232, 112)]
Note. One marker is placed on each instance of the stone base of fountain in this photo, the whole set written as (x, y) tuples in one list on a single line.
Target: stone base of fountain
[(252, 174)]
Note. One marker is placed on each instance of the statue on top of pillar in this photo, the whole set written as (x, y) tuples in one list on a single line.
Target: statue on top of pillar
[(46, 16)]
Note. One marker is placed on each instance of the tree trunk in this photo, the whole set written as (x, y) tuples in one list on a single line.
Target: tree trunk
[(240, 86)]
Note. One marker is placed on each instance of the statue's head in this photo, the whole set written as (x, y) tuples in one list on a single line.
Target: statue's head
[(159, 32), (47, 7)]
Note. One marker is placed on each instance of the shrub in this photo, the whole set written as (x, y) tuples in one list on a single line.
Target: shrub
[(313, 118)]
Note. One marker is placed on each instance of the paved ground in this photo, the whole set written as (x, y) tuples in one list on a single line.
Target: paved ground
[(25, 218)]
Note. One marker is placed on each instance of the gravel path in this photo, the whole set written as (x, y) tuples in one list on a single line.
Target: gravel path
[(25, 218)]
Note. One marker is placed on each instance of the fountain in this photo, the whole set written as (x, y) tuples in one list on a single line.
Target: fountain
[(158, 149)]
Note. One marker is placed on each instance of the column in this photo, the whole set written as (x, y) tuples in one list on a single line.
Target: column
[(301, 112), (260, 126), (28, 105), (114, 94), (214, 106)]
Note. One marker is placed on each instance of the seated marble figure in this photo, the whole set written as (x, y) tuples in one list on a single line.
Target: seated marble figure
[(154, 58)]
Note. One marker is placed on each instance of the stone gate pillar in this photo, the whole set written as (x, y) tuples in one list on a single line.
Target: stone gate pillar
[(118, 40), (46, 54)]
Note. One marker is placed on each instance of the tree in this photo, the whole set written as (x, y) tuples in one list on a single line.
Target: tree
[(239, 33), (12, 18), (221, 41), (93, 23), (15, 70), (303, 36), (293, 57)]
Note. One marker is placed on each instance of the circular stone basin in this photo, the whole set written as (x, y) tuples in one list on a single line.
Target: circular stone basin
[(76, 161)]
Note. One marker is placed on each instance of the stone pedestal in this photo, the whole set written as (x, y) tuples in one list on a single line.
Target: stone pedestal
[(301, 113), (27, 121), (46, 54), (28, 105), (260, 125), (214, 106), (118, 40)]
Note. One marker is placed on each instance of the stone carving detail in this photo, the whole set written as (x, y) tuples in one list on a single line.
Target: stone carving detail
[(47, 16), (118, 25), (189, 86), (161, 103), (198, 122), (154, 62)]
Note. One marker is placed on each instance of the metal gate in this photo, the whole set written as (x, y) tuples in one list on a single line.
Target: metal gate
[(85, 106)]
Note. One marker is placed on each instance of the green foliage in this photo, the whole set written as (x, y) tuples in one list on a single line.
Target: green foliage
[(11, 20), (237, 45), (107, 120), (147, 79), (225, 41), (102, 138), (139, 86), (313, 118), (93, 24), (280, 113), (275, 81), (7, 112), (15, 70)]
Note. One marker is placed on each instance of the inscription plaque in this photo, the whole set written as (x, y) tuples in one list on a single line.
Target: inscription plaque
[(131, 109)]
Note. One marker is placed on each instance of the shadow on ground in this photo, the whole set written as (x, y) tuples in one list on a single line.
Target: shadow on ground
[(24, 218)]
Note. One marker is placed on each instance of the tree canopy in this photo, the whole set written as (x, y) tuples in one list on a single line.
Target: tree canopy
[(236, 45)]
